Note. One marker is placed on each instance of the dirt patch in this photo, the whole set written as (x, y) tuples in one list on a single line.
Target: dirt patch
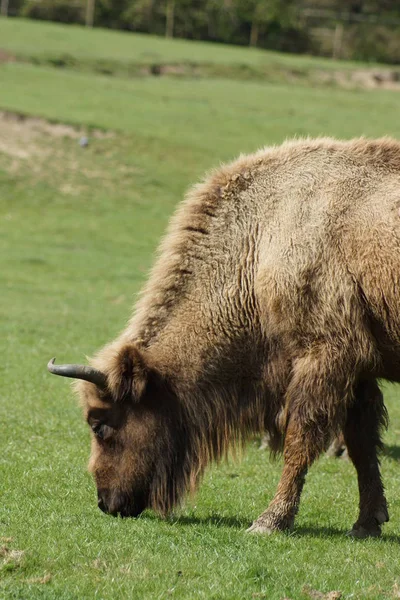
[(348, 78), (18, 137), (174, 69), (39, 580), (366, 79), (355, 78), (10, 559), (53, 129), (70, 159), (317, 595), (21, 136), (388, 80)]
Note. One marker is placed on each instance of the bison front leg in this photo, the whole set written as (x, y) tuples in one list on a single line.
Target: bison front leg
[(316, 403), (302, 447), (365, 419)]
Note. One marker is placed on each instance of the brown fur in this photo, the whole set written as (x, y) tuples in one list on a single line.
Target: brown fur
[(273, 306)]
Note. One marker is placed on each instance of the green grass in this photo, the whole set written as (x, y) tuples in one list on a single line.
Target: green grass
[(78, 229), (215, 118), (38, 39), (122, 53)]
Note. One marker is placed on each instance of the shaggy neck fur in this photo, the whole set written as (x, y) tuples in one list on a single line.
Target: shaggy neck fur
[(204, 424), (197, 321)]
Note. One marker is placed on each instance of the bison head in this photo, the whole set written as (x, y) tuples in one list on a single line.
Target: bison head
[(138, 456)]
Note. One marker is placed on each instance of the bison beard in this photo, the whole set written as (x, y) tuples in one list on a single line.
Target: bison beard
[(273, 307)]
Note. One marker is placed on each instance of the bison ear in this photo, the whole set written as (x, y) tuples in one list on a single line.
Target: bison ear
[(129, 374)]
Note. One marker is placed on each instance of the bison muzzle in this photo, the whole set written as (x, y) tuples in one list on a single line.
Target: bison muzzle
[(273, 306)]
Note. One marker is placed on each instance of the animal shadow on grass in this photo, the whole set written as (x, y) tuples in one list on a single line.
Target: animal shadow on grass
[(325, 532), (214, 519), (242, 523), (315, 531)]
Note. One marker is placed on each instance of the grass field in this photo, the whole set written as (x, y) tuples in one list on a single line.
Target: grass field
[(51, 40), (78, 229), (125, 54)]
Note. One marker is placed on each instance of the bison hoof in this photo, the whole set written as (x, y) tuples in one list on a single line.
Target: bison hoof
[(270, 524), (371, 527), (361, 532), (261, 528)]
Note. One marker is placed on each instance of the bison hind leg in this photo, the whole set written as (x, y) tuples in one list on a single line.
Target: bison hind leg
[(366, 418)]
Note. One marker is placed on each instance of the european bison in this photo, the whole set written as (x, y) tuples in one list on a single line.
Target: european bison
[(273, 306)]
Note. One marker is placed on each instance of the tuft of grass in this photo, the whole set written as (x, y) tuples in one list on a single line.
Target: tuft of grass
[(78, 229)]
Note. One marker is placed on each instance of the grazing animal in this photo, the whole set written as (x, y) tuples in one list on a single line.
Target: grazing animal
[(273, 306)]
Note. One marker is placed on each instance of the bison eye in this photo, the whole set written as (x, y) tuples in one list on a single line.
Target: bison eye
[(101, 430)]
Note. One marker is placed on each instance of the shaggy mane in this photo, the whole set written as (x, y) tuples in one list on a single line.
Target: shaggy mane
[(177, 254)]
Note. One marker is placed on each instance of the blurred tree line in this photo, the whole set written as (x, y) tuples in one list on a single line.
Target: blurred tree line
[(351, 29)]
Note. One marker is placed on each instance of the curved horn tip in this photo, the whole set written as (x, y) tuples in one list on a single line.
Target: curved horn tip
[(79, 372)]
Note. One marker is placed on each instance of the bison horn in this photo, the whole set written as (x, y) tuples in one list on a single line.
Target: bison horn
[(79, 372)]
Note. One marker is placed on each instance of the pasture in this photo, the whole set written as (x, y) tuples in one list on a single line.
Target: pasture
[(79, 228)]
